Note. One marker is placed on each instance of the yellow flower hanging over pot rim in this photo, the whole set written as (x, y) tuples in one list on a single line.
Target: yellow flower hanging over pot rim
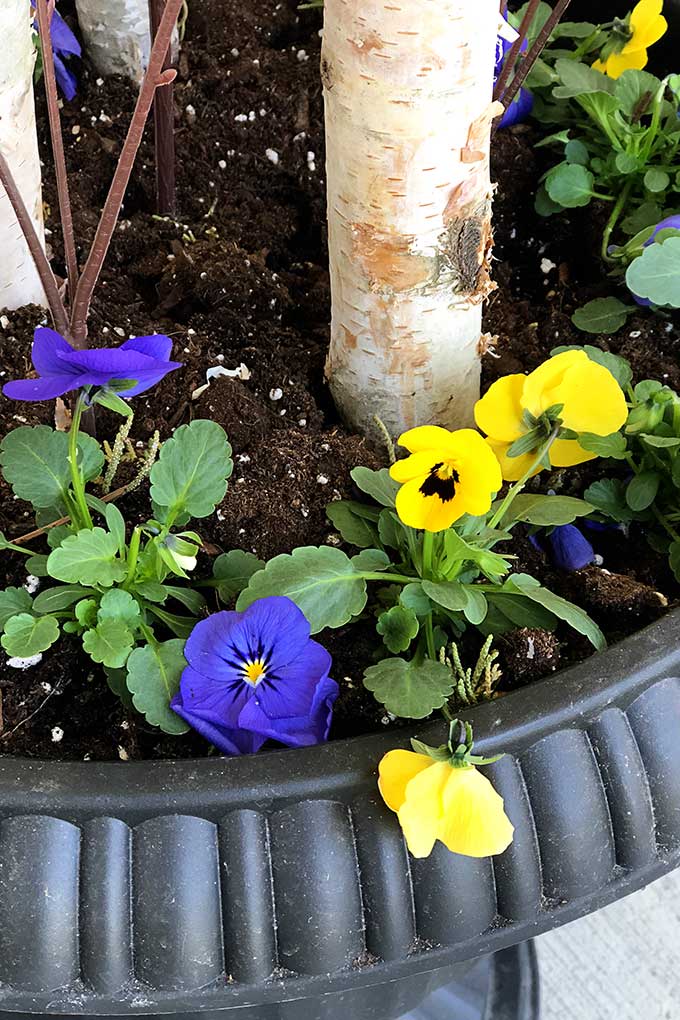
[(439, 794), (645, 27), (447, 475), (568, 392)]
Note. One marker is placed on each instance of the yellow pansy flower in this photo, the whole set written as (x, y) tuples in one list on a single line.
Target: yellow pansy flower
[(647, 26), (439, 800), (447, 475), (592, 402)]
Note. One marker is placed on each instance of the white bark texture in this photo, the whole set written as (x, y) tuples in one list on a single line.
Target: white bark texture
[(19, 282), (117, 35), (408, 93)]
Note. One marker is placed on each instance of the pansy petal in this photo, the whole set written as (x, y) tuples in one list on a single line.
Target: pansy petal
[(499, 412), (40, 389), (427, 512), (157, 346), (62, 37), (567, 453), (418, 465), (540, 386), (301, 731), (647, 23), (395, 771), (425, 437), (593, 400), (570, 549), (288, 692), (474, 822), (229, 741), (634, 60), (421, 813), (66, 79), (220, 697), (512, 468), (145, 380), (276, 630), (47, 345)]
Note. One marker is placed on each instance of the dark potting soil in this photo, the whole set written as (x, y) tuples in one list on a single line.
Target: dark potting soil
[(240, 281)]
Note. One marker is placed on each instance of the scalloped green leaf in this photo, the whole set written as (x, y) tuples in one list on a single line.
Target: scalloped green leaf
[(88, 557), (153, 676), (602, 315), (12, 602), (570, 185), (398, 627), (109, 643), (119, 605), (190, 475), (655, 274), (354, 525), (34, 461), (322, 582), (234, 570), (407, 689), (27, 635), (379, 485)]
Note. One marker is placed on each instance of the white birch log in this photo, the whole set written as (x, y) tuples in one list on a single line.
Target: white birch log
[(117, 35), (19, 282), (408, 95)]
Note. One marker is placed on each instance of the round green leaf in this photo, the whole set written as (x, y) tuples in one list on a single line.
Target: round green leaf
[(34, 461), (603, 315), (89, 558), (642, 489), (190, 475), (570, 185), (449, 594), (409, 690), (655, 274), (27, 635), (377, 484), (656, 180), (109, 643), (154, 673), (398, 627), (356, 529), (322, 582), (54, 600)]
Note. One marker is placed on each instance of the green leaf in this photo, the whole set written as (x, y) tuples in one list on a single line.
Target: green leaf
[(579, 79), (626, 163), (608, 495), (116, 680), (508, 609), (89, 557), (646, 215), (154, 673), (655, 274), (570, 185), (109, 643), (377, 484), (477, 606), (576, 152), (547, 511), (398, 627), (152, 591), (642, 489), (390, 529), (631, 87), (190, 475), (14, 601), (190, 599), (181, 626), (54, 600), (34, 461), (346, 517), (449, 594), (603, 315), (112, 402), (27, 635), (492, 564), (86, 613), (543, 203), (414, 598), (115, 522), (613, 446), (370, 561), (563, 610), (322, 582), (234, 570), (660, 442), (37, 565), (408, 690), (656, 180), (119, 605)]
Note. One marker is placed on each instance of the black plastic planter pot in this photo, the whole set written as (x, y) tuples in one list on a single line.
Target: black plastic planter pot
[(278, 885)]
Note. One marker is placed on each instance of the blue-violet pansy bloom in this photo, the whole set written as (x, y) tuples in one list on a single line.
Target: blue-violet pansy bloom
[(255, 676), (60, 368), (567, 546), (64, 46)]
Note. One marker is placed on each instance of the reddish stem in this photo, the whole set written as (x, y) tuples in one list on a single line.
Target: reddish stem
[(534, 53), (510, 60), (56, 305), (164, 128), (65, 214), (154, 78)]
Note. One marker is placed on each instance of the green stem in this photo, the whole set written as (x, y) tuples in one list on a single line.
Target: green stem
[(132, 556), (428, 554), (77, 481), (515, 489), (614, 219), (17, 548), (397, 578), (665, 525), (429, 637)]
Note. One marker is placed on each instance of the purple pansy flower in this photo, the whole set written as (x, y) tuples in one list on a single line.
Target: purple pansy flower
[(257, 676), (144, 359), (568, 547), (64, 45), (523, 103), (670, 223)]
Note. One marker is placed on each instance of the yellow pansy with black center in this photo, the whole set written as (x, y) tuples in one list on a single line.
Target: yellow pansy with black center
[(567, 396), (630, 39), (440, 794), (447, 475)]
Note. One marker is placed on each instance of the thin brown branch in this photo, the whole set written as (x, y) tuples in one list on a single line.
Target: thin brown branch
[(65, 215), (154, 78), (534, 53), (42, 265), (164, 128), (39, 532), (511, 59)]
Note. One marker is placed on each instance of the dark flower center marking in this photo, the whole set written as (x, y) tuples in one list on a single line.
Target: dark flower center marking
[(441, 481)]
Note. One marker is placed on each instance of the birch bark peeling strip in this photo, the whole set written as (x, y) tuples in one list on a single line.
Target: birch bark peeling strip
[(117, 35), (19, 281), (408, 96)]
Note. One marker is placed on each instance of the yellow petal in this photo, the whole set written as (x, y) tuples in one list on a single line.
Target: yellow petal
[(425, 437), (593, 400), (474, 822), (418, 465), (421, 813), (429, 513), (617, 63), (599, 66), (512, 468), (647, 24), (479, 472), (395, 771), (567, 452), (499, 412), (542, 384)]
